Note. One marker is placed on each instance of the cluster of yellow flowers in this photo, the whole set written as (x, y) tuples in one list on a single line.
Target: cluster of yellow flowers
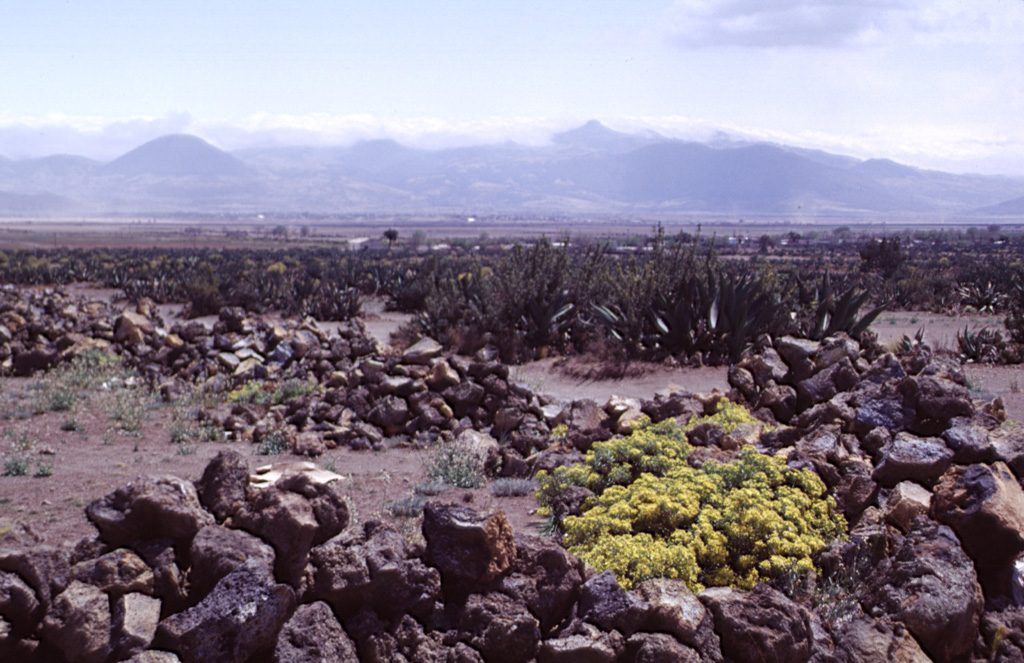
[(653, 515)]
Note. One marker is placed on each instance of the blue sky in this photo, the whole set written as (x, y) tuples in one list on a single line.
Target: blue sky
[(933, 83)]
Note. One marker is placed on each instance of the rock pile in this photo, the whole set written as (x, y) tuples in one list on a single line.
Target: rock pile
[(366, 393), (220, 571), (930, 483)]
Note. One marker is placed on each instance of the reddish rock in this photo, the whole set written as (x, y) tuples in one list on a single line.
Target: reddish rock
[(150, 508), (929, 585), (313, 635), (759, 625), (912, 458), (241, 617), (467, 547), (501, 629), (217, 551), (78, 624), (118, 572), (984, 504)]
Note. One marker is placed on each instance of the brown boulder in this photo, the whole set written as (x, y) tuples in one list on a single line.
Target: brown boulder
[(217, 551), (18, 603), (383, 572), (908, 457), (78, 624), (824, 385), (582, 643), (118, 572), (43, 568), (984, 504), (135, 618), (240, 617), (313, 635), (868, 640), (466, 546), (929, 585), (675, 609), (780, 399), (658, 648), (759, 625), (905, 503), (149, 508), (604, 603), (546, 578), (31, 361), (501, 629), (422, 352)]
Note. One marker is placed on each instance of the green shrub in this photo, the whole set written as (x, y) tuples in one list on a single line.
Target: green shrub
[(653, 515), (15, 466), (410, 506), (430, 488), (257, 393), (292, 389), (273, 443), (456, 465), (513, 487)]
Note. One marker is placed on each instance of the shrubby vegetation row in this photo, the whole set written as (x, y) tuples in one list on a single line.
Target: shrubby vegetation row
[(691, 298)]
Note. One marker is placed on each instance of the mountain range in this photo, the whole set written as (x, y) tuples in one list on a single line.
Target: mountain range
[(590, 170)]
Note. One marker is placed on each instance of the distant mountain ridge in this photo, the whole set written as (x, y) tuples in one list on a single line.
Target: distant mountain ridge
[(588, 170)]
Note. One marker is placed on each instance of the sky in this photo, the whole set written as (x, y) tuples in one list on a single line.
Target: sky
[(931, 83)]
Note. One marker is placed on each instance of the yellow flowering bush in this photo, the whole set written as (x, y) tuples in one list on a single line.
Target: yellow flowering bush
[(653, 515)]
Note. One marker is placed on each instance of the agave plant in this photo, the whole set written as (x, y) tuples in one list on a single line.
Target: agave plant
[(984, 299), (840, 313), (979, 345), (908, 345), (626, 329), (547, 320)]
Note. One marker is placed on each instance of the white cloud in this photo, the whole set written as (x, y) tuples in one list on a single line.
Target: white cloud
[(838, 23)]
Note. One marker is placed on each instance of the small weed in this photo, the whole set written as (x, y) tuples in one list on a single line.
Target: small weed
[(1014, 386), (273, 443), (129, 411), (44, 469), (71, 425), (331, 465), (210, 432), (456, 465), (257, 393), (406, 507), (183, 432), (15, 466), (17, 461), (262, 393), (61, 400), (430, 488), (997, 639), (186, 449), (291, 389), (513, 487), (549, 527)]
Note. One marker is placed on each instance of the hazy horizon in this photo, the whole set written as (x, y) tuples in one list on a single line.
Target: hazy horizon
[(934, 84)]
